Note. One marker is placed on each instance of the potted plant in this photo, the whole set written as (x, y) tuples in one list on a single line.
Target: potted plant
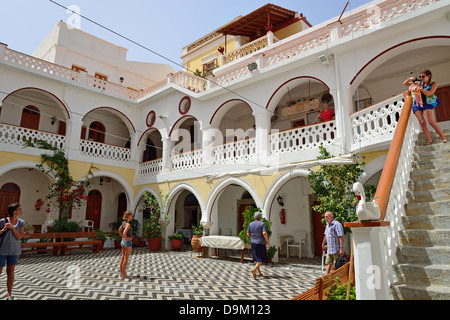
[(271, 253), (152, 229), (197, 233), (100, 236), (176, 240), (115, 236), (135, 227)]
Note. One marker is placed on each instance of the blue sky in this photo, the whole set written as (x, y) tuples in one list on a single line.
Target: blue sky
[(164, 26)]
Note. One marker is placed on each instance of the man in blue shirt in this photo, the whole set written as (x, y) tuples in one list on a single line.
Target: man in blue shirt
[(334, 239)]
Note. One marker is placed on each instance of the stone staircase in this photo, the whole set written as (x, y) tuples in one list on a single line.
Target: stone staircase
[(423, 269)]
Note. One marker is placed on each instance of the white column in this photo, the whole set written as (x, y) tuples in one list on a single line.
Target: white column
[(371, 275), (263, 126), (210, 138), (73, 134), (167, 149)]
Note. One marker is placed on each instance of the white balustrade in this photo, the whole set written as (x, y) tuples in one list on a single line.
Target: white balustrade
[(247, 49), (104, 151), (189, 81), (150, 168), (14, 135), (376, 123), (239, 152), (373, 16), (33, 63), (302, 138), (398, 197), (187, 160)]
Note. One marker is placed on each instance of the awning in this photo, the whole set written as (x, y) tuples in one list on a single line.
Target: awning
[(259, 21), (268, 171)]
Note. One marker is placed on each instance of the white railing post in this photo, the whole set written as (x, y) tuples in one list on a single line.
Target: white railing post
[(371, 278)]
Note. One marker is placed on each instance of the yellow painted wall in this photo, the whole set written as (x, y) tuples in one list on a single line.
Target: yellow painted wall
[(289, 30), (196, 62)]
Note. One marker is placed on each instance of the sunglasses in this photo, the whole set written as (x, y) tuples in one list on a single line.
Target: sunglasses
[(423, 76)]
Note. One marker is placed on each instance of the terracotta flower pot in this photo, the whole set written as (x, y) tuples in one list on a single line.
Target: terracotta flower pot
[(176, 244), (195, 243), (154, 243)]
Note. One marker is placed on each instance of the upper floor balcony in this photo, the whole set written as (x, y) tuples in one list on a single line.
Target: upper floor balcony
[(372, 127), (265, 51)]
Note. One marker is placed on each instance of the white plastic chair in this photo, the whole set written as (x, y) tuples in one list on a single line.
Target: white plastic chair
[(324, 256), (89, 224), (300, 243)]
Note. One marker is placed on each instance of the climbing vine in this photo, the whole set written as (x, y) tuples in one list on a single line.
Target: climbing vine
[(64, 192)]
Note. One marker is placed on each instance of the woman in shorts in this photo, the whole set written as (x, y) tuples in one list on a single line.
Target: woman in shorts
[(11, 231), (126, 232)]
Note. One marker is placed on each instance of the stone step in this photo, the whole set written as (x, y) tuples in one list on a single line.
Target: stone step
[(424, 238), (431, 153), (438, 146), (427, 208), (442, 182), (429, 173), (427, 222), (428, 195), (420, 292), (434, 135), (435, 163), (423, 255), (420, 274)]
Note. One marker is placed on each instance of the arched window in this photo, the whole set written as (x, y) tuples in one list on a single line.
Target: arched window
[(9, 193), (97, 132), (30, 118)]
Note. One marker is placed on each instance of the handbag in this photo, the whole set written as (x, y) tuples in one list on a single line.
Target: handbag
[(2, 225), (340, 261)]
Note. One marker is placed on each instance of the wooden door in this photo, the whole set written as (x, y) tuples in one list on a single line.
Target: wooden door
[(9, 193), (94, 207), (121, 205), (30, 118), (443, 110), (319, 230)]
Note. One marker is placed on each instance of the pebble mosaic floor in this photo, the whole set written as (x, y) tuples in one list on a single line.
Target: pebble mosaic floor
[(169, 275)]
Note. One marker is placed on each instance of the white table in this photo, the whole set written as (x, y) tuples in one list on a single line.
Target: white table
[(222, 242)]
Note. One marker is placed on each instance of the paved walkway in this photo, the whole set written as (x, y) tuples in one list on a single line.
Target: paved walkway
[(83, 275)]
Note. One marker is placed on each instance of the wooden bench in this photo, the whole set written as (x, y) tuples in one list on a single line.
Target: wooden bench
[(50, 245), (317, 292), (79, 242)]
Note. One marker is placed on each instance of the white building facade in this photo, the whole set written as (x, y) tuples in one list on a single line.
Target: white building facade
[(149, 128)]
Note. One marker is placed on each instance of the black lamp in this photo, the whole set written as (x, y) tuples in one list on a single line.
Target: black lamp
[(280, 201)]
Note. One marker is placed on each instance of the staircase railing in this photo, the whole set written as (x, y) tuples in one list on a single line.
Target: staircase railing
[(391, 193)]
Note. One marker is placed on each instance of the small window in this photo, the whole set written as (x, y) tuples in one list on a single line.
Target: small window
[(101, 76), (78, 68), (209, 66)]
